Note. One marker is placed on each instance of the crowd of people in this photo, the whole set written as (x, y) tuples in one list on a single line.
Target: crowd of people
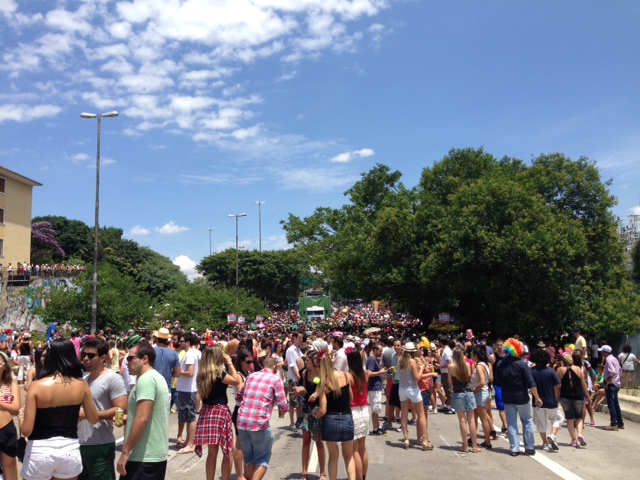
[(338, 385), (45, 270)]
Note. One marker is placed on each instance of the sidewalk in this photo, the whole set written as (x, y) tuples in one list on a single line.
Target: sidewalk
[(629, 405)]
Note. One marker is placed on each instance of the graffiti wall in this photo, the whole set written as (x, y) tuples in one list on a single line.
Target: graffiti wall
[(18, 305)]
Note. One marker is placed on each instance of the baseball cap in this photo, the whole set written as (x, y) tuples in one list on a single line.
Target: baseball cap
[(605, 348)]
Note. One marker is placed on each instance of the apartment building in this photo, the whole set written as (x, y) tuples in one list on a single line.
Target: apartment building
[(16, 198)]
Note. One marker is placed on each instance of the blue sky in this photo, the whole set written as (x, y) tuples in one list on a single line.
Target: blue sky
[(288, 101)]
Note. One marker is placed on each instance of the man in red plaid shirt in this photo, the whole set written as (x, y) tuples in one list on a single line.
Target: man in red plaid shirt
[(261, 391)]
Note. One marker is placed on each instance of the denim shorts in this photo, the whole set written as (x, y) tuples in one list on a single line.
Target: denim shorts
[(426, 398), (337, 427), (481, 397), (463, 401), (256, 446), (572, 408)]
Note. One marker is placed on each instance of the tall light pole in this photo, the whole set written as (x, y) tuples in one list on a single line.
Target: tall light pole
[(94, 300), (210, 251), (237, 215), (259, 221)]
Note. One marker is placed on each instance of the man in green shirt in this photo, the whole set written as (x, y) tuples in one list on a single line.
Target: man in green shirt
[(145, 450)]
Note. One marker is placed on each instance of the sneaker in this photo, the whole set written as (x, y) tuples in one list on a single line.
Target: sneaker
[(592, 423), (621, 427), (531, 453), (546, 447), (611, 428), (551, 440), (412, 423), (582, 441), (434, 412), (443, 409), (493, 434), (376, 433), (382, 432), (293, 428), (386, 426), (575, 444), (430, 408)]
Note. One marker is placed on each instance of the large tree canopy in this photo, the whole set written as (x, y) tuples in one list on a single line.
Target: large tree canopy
[(271, 275), (504, 246)]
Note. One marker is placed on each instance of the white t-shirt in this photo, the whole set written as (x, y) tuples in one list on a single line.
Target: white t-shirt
[(188, 384), (446, 359), (293, 354), (630, 362)]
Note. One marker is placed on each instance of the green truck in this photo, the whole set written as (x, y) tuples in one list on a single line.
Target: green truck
[(314, 305)]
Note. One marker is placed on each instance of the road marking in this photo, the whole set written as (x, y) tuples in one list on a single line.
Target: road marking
[(555, 467), (551, 465)]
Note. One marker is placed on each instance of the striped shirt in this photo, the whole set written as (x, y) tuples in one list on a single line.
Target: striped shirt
[(262, 390)]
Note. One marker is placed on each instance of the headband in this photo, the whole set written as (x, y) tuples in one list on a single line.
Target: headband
[(6, 357)]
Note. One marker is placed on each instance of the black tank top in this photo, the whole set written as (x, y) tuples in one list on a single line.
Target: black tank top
[(571, 386), (218, 394), (25, 349), (56, 422), (339, 404)]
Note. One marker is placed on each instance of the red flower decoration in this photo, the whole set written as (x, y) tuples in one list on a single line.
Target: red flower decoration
[(348, 350)]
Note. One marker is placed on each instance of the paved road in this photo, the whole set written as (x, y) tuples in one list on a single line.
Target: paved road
[(613, 454)]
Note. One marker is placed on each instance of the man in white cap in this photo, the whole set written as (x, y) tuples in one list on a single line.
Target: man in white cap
[(612, 375)]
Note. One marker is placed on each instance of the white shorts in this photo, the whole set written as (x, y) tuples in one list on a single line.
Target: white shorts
[(542, 417), (375, 401), (412, 394), (360, 421), (54, 457)]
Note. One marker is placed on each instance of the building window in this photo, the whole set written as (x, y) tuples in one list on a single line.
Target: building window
[(1, 216), (1, 248), (3, 184)]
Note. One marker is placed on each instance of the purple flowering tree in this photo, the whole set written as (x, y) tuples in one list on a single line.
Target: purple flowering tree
[(44, 247)]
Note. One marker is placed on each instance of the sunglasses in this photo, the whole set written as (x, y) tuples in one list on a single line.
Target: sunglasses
[(248, 361), (90, 355), (130, 358)]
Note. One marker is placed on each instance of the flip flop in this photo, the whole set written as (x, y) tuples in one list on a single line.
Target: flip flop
[(185, 450)]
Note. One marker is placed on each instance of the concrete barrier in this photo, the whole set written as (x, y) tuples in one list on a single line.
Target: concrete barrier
[(629, 405)]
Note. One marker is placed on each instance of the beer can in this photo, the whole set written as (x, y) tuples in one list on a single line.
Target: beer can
[(119, 418)]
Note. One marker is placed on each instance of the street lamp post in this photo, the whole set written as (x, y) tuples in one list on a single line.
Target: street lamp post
[(210, 251), (94, 300), (237, 215), (259, 221)]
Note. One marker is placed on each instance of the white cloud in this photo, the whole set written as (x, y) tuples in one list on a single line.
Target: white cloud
[(26, 113), (139, 231), (187, 266), (171, 228), (349, 156), (80, 158), (635, 210)]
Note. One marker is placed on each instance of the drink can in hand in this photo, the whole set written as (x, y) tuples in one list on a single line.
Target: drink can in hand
[(119, 418)]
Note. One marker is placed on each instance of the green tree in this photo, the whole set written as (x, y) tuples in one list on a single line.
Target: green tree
[(516, 249), (272, 275), (201, 306), (74, 236), (121, 304)]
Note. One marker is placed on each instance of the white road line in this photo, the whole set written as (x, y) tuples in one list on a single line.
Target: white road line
[(456, 451), (555, 467)]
